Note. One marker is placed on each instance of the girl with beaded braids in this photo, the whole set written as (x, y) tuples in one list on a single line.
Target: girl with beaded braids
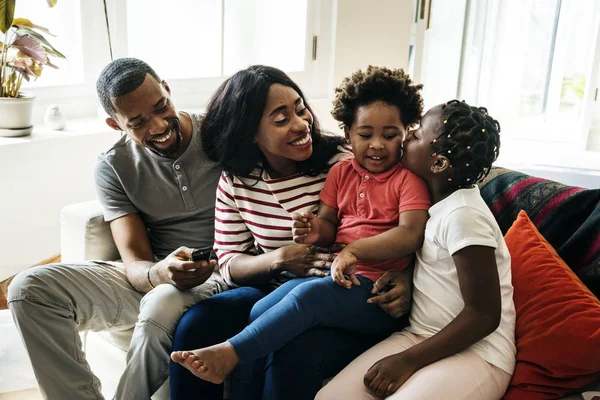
[(460, 343)]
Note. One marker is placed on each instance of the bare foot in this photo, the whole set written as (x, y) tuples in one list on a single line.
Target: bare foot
[(213, 364)]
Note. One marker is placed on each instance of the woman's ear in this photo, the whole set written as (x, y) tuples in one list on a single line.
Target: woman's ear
[(440, 164), (347, 133)]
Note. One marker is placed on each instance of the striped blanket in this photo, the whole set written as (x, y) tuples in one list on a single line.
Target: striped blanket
[(567, 216)]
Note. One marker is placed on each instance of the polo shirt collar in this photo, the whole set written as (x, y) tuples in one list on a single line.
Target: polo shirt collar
[(380, 176)]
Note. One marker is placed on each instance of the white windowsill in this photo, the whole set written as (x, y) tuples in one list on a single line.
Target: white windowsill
[(75, 127)]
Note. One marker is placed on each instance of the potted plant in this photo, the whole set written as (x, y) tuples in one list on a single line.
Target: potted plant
[(24, 52)]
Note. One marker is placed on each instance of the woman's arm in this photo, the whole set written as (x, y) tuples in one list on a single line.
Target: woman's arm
[(397, 242), (480, 289)]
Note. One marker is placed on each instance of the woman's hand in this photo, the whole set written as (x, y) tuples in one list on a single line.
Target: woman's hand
[(396, 292), (304, 260), (305, 228), (386, 376), (345, 264)]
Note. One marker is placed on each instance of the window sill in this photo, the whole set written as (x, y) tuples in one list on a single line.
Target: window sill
[(75, 127)]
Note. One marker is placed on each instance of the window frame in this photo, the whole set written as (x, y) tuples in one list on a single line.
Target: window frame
[(80, 101)]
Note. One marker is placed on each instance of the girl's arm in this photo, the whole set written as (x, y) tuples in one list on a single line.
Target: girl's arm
[(397, 242), (480, 288)]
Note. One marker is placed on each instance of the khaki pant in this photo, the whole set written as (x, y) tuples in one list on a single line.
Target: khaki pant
[(462, 376), (52, 303)]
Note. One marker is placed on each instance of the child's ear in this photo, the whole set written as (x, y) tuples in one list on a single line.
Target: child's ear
[(440, 164), (347, 134)]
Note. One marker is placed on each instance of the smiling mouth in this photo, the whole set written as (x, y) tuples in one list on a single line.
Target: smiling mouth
[(301, 141), (376, 158), (163, 138)]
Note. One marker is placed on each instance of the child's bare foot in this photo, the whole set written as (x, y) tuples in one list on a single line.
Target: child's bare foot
[(212, 363)]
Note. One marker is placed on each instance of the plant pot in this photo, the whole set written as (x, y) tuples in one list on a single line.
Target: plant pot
[(15, 115)]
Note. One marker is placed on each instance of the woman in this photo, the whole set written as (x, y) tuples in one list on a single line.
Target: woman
[(260, 128)]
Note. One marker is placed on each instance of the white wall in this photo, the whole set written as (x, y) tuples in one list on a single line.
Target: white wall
[(37, 179), (373, 32)]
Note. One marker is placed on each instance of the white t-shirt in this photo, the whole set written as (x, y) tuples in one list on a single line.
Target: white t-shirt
[(461, 220)]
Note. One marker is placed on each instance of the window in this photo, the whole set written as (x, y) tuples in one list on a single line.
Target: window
[(193, 44), (531, 62)]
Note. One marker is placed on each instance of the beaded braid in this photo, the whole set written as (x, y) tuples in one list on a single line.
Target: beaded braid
[(470, 139)]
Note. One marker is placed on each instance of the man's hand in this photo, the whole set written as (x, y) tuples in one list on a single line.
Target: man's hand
[(345, 264), (395, 288), (386, 376), (178, 269), (305, 228), (304, 260)]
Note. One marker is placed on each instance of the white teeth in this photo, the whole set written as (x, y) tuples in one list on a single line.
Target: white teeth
[(163, 139), (302, 141)]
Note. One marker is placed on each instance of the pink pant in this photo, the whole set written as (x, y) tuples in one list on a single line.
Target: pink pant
[(462, 376)]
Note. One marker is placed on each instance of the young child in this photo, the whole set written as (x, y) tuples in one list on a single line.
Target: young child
[(460, 343), (369, 202)]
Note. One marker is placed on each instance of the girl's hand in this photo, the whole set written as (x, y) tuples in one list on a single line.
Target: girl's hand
[(305, 228), (386, 376), (345, 264)]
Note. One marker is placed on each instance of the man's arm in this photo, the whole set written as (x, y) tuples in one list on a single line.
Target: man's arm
[(131, 238)]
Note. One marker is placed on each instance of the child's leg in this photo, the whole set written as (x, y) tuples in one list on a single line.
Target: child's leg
[(276, 296), (316, 302), (348, 384), (462, 376)]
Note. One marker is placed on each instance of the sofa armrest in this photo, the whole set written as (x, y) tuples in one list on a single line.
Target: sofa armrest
[(85, 235)]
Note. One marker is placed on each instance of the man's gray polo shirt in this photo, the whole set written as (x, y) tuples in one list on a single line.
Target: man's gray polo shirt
[(175, 198)]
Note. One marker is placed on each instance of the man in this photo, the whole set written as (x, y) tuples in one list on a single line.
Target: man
[(157, 188)]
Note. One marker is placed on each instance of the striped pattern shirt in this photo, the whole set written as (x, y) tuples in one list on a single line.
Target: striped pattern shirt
[(256, 211)]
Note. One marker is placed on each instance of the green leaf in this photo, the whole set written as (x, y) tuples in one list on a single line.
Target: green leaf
[(25, 23), (33, 34), (7, 13), (54, 53)]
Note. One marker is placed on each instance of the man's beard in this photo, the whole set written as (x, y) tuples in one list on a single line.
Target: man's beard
[(173, 148)]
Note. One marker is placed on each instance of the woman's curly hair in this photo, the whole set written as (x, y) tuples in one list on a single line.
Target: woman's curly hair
[(392, 86)]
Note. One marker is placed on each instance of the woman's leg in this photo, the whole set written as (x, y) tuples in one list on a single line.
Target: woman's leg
[(247, 380), (209, 322), (462, 376), (313, 356), (318, 302)]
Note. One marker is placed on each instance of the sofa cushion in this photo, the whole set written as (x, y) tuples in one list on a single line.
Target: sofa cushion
[(568, 217), (558, 320)]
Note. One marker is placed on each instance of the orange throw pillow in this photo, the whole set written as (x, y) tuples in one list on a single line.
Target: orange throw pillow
[(558, 320)]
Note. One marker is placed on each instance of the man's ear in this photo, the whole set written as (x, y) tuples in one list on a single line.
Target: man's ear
[(347, 134), (113, 124), (440, 164), (166, 86)]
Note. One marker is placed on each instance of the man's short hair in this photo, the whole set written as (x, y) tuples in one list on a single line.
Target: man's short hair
[(119, 78)]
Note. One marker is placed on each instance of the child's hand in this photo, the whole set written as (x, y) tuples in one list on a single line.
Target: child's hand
[(386, 376), (345, 264), (305, 228)]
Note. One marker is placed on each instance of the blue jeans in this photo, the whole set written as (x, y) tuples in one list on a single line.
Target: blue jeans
[(209, 322), (297, 369), (306, 303)]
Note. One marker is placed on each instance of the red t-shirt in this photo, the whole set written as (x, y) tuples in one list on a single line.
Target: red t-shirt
[(369, 204)]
